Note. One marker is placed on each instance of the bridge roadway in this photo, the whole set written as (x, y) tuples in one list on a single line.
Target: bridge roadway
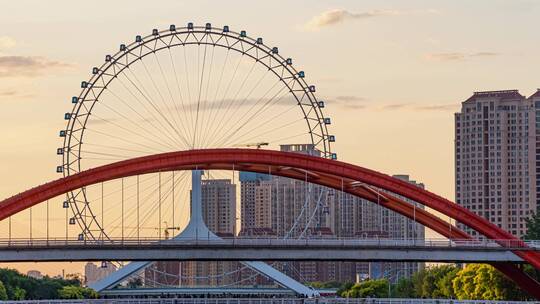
[(261, 249)]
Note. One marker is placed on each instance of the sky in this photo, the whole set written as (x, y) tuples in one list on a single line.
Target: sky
[(391, 72)]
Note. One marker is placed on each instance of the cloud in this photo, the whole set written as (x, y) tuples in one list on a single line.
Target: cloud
[(439, 107), (27, 66), (484, 54), (349, 102), (11, 94), (8, 93), (352, 102), (7, 42), (395, 106), (336, 16), (458, 56)]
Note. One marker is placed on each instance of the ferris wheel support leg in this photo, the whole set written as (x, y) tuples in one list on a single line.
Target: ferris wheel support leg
[(281, 278), (118, 276)]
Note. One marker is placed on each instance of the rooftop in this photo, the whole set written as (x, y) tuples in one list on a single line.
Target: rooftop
[(536, 94), (505, 94)]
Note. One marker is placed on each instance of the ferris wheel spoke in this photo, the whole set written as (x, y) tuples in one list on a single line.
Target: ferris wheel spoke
[(144, 152), (229, 134), (242, 139), (129, 131), (118, 156), (121, 139), (110, 194), (239, 106), (190, 122), (164, 127), (221, 104), (249, 110), (171, 98), (141, 89), (149, 136), (199, 84), (156, 129), (206, 107), (165, 196), (229, 104), (188, 86), (213, 108), (149, 187), (119, 218), (165, 107), (264, 123)]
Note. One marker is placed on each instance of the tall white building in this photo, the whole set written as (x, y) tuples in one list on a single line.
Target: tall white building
[(497, 157)]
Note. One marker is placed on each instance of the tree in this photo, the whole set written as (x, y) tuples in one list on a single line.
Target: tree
[(483, 282), (71, 293), (89, 293), (435, 282), (404, 288), (344, 288), (3, 292), (19, 286), (445, 283), (533, 228), (369, 289), (19, 294)]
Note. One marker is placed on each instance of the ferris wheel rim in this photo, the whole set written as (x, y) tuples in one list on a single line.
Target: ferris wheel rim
[(241, 38), (319, 129)]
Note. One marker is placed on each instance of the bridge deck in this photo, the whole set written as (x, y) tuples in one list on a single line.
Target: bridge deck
[(259, 250)]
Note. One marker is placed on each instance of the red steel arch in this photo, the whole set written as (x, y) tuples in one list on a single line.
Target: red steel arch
[(335, 174)]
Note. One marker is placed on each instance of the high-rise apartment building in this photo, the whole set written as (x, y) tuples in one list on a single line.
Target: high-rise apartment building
[(497, 157), (393, 225)]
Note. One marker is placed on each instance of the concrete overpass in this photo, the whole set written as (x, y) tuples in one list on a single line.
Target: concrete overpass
[(259, 250)]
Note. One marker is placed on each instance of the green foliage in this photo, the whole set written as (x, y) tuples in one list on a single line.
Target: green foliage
[(404, 288), (474, 282), (71, 292), (19, 294), (3, 292), (368, 289), (480, 281), (435, 282), (324, 285), (19, 286), (77, 292), (342, 290), (445, 283), (533, 228)]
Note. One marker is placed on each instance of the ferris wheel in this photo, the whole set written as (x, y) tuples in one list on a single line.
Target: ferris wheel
[(181, 88)]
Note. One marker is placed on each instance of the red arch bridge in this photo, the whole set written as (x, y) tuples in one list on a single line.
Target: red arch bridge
[(502, 250)]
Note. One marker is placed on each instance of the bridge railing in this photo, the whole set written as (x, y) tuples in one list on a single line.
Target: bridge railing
[(269, 242), (266, 301)]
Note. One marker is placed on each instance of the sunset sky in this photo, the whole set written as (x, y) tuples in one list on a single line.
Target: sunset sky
[(392, 72)]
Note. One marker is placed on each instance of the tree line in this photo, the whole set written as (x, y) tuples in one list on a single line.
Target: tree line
[(472, 282), (17, 286)]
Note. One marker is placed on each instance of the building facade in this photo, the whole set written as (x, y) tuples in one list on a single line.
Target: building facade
[(94, 273), (497, 159)]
